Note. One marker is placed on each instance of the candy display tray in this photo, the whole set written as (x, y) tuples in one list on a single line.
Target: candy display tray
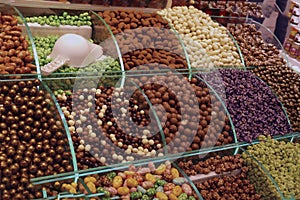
[(67, 81)]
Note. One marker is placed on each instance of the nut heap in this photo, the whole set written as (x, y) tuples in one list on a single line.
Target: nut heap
[(145, 38), (84, 158), (254, 109), (227, 186), (100, 140), (145, 183), (214, 128), (286, 84), (255, 51), (281, 159), (15, 58), (32, 140), (109, 136), (132, 3), (232, 8), (197, 25)]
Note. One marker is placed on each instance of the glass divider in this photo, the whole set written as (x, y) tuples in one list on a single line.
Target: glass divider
[(266, 172), (224, 106), (66, 127), (117, 48), (156, 117), (186, 55), (35, 54), (189, 181)]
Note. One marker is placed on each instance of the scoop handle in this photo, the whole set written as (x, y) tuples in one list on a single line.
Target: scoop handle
[(55, 64)]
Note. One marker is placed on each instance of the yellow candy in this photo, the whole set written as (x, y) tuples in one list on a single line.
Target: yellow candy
[(129, 173), (172, 197), (93, 179), (74, 185), (73, 190), (68, 186), (177, 190), (161, 169), (175, 173), (161, 196), (117, 182), (150, 177), (91, 186), (131, 182), (86, 179), (123, 191)]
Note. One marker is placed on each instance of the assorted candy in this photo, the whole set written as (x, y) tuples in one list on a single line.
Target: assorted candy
[(162, 182)]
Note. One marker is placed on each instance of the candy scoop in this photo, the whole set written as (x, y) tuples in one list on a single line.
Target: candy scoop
[(72, 50)]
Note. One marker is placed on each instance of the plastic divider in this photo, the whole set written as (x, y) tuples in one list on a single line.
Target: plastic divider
[(184, 50), (65, 124), (156, 117), (222, 100), (274, 93), (119, 54), (189, 181), (35, 55), (260, 166)]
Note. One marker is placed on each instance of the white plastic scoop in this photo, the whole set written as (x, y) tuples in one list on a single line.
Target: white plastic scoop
[(72, 50)]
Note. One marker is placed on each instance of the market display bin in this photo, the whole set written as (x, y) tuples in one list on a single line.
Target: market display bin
[(140, 180), (205, 174), (17, 59), (245, 172), (119, 33), (142, 116), (258, 44), (56, 33), (35, 140), (254, 107)]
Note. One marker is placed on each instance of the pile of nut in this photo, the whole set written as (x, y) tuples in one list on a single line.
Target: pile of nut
[(161, 182), (131, 3), (15, 58), (102, 133), (253, 107), (285, 82), (33, 143), (192, 23), (145, 38), (255, 51), (224, 186), (281, 160), (232, 8)]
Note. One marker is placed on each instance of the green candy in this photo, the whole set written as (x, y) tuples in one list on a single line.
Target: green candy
[(100, 189), (136, 195), (191, 198), (159, 183), (111, 175), (151, 192), (183, 196), (145, 197)]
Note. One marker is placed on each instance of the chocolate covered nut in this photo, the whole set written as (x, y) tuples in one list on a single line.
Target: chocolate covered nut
[(255, 51), (25, 153), (14, 53)]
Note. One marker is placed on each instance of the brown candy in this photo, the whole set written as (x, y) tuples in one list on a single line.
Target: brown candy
[(25, 153), (145, 39), (255, 51), (14, 53)]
